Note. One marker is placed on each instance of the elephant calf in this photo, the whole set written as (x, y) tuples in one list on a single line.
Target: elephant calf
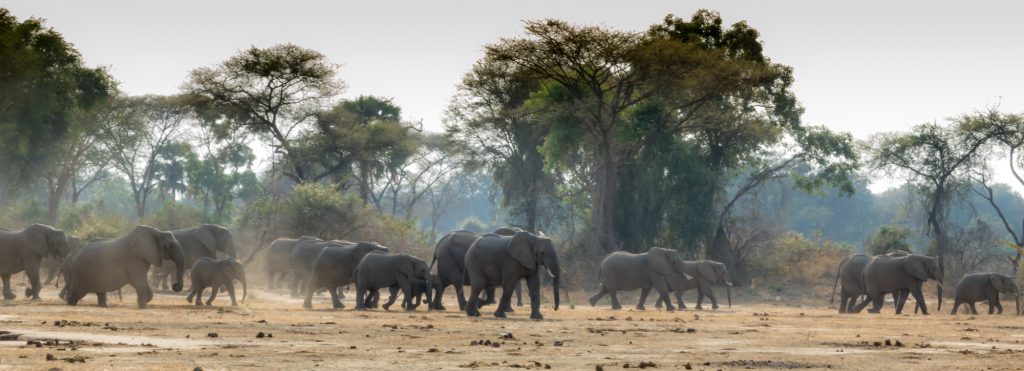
[(706, 273), (211, 273), (976, 287), (377, 271)]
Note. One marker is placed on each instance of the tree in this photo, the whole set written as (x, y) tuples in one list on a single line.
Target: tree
[(937, 161), (145, 127), (221, 176), (589, 77), (889, 238), (274, 93), (170, 165), (43, 86)]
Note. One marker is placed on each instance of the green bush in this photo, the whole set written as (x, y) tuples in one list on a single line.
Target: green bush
[(174, 216), (888, 239)]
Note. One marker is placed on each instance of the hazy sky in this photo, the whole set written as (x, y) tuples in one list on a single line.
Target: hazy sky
[(861, 67)]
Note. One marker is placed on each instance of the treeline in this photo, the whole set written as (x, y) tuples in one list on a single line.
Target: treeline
[(685, 136)]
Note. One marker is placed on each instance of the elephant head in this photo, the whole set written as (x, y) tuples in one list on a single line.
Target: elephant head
[(923, 268), (48, 241), (154, 246), (233, 270), (1004, 284), (716, 273), (532, 251), (667, 262), (362, 248), (215, 237)]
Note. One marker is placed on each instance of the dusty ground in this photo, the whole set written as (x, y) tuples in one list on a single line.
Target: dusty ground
[(174, 335)]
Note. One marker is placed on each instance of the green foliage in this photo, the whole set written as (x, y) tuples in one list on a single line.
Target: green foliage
[(310, 209), (221, 177), (43, 82), (87, 221), (795, 260), (475, 225), (174, 216), (889, 238)]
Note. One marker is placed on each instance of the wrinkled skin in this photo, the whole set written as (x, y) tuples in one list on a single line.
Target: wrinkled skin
[(450, 259), (890, 274), (103, 266), (976, 287), (377, 271), (207, 272), (302, 259), (52, 263), (495, 260), (201, 241), (706, 274), (278, 256), (623, 271), (850, 280), (24, 250), (335, 268)]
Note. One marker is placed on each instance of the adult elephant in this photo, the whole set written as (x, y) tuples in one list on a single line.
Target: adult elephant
[(52, 263), (103, 266), (495, 260), (303, 258), (706, 274), (201, 241), (278, 256), (377, 271), (335, 266), (450, 257), (24, 250), (851, 274), (627, 271), (976, 287), (888, 274)]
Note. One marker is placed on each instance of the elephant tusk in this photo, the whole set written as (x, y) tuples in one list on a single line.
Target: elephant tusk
[(727, 283), (688, 277), (940, 284)]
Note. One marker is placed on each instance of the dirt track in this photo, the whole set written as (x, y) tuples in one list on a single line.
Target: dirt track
[(174, 335)]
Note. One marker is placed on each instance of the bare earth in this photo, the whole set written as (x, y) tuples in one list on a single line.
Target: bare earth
[(173, 335)]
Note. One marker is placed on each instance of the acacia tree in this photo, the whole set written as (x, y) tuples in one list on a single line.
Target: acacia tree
[(82, 159), (274, 93), (937, 161)]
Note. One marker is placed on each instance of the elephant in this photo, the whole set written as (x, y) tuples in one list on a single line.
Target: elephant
[(885, 274), (851, 275), (376, 271), (335, 267), (450, 255), (277, 257), (706, 274), (24, 250), (627, 271), (207, 272), (107, 265), (201, 241), (302, 259), (976, 287), (52, 263), (495, 260)]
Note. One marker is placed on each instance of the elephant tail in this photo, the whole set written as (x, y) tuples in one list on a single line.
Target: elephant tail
[(832, 298), (433, 257)]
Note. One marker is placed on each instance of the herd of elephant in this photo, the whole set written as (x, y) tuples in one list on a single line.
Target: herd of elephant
[(484, 262), (902, 274)]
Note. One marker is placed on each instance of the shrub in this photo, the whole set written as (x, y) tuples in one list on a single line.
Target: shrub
[(174, 216), (888, 239)]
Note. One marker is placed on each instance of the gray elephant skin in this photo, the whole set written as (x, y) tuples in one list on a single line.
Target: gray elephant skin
[(976, 287), (627, 271), (706, 274), (377, 271), (335, 267), (889, 274), (450, 258), (52, 263), (201, 241), (303, 257), (850, 280), (24, 250), (212, 273), (495, 260), (103, 266), (278, 254)]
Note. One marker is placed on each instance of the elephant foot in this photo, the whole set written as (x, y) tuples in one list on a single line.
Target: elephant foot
[(510, 310), (500, 314), (199, 304), (9, 296), (209, 303), (234, 304), (593, 302), (670, 308), (519, 304), (361, 309), (641, 307), (386, 306), (438, 308), (536, 315), (714, 306), (616, 307), (307, 305), (698, 307)]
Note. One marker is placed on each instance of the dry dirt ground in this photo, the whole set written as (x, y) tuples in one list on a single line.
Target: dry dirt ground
[(171, 334)]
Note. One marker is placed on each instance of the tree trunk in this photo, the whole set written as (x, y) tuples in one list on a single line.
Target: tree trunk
[(603, 211), (720, 250), (53, 204)]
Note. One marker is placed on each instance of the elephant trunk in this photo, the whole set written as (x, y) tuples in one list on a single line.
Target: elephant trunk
[(728, 294), (245, 288), (1016, 297), (430, 292), (939, 294), (179, 267), (556, 273)]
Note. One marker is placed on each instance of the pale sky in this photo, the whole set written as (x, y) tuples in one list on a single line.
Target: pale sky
[(860, 67)]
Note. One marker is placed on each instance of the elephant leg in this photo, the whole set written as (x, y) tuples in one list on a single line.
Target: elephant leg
[(438, 293), (899, 298), (519, 293), (507, 289), (876, 302), (138, 280), (308, 301), (460, 295), (392, 297), (700, 299), (679, 299), (32, 271), (8, 294), (643, 298), (844, 300), (199, 295), (191, 292), (710, 293), (614, 294), (294, 286), (973, 309), (230, 286), (956, 305), (600, 293), (658, 303), (489, 298), (920, 300), (533, 285), (50, 275), (662, 288), (336, 298), (472, 308), (361, 295), (406, 286), (213, 294), (101, 299)]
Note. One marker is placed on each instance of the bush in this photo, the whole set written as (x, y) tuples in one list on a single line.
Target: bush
[(888, 239), (475, 225), (797, 261), (174, 216)]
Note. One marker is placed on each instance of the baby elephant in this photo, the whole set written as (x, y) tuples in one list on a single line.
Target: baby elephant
[(211, 273), (977, 287), (378, 271)]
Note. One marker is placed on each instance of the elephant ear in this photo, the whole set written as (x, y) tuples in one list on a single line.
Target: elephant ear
[(143, 243), (660, 260), (407, 266), (915, 266), (520, 248), (207, 238), (39, 240), (707, 271), (997, 282)]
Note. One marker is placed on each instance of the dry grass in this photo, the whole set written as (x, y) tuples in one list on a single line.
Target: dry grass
[(174, 335)]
